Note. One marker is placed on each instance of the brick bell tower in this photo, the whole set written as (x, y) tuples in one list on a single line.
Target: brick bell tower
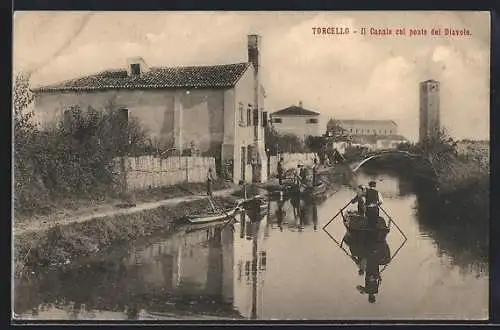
[(429, 124), (259, 157)]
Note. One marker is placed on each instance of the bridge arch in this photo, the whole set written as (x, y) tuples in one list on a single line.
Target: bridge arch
[(391, 153)]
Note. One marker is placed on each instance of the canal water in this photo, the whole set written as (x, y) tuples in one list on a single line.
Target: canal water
[(283, 267)]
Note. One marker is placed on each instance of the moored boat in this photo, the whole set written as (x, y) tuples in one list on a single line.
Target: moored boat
[(318, 190), (215, 217)]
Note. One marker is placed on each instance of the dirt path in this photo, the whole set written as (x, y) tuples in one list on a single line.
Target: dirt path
[(44, 223)]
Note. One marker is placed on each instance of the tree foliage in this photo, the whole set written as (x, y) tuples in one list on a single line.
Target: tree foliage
[(282, 143)]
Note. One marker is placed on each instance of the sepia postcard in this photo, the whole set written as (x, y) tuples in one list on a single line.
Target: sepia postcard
[(211, 165)]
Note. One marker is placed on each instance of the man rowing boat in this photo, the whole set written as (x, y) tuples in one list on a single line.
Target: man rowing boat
[(373, 200)]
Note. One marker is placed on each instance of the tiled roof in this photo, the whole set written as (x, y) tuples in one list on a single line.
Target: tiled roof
[(217, 76), (295, 111), (430, 81), (363, 121)]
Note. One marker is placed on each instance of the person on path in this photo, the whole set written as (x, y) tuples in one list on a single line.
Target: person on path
[(373, 201)]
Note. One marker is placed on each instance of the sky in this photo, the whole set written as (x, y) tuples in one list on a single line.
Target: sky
[(346, 76)]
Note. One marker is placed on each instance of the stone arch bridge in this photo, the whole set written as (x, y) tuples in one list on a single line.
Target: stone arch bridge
[(388, 154)]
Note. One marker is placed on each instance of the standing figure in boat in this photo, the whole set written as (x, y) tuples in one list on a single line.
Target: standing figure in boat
[(360, 198), (280, 171), (303, 175), (297, 174), (315, 172), (373, 201)]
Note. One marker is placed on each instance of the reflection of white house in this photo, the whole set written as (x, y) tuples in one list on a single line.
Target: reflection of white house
[(244, 250), (193, 264)]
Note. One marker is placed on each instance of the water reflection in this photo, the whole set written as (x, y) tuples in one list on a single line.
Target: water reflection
[(368, 254), (295, 214), (257, 269)]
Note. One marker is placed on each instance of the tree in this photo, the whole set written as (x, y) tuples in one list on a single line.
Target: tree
[(281, 143), (334, 128), (317, 144), (22, 99)]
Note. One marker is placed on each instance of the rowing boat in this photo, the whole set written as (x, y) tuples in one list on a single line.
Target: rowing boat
[(358, 225)]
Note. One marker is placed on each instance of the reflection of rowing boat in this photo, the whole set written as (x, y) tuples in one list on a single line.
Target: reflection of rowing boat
[(358, 225), (256, 207), (257, 202), (361, 249)]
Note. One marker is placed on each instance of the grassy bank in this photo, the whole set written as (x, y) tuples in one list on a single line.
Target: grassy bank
[(63, 243), (67, 206)]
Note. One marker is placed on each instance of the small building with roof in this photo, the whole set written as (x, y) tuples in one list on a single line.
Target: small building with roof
[(296, 120), (218, 108)]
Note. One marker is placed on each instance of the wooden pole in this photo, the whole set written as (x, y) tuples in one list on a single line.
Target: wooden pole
[(342, 209)]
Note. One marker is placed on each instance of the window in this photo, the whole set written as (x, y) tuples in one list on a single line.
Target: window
[(277, 120), (264, 118), (385, 131), (135, 69), (390, 132), (249, 117), (242, 114), (374, 131), (255, 117), (351, 130), (312, 121), (356, 131)]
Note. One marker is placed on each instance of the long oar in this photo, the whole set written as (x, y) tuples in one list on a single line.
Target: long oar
[(339, 245), (342, 209), (392, 221)]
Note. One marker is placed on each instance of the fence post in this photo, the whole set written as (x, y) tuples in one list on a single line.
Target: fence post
[(124, 171), (187, 169)]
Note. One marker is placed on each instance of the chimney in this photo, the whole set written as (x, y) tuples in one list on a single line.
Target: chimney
[(254, 50), (254, 58), (300, 104), (136, 66)]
